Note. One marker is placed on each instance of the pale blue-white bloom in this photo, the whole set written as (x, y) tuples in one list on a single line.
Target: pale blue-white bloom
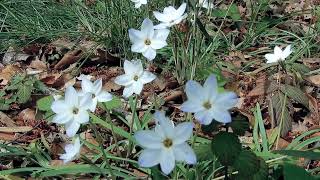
[(72, 111), (134, 78), (278, 54), (170, 16), (138, 3), (71, 151), (95, 89), (207, 103), (148, 40), (166, 144)]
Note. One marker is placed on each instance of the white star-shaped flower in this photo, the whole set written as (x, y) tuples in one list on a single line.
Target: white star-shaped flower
[(206, 4), (138, 3), (95, 89), (207, 103), (166, 144), (71, 151), (72, 111), (170, 16), (134, 78), (148, 40), (278, 54)]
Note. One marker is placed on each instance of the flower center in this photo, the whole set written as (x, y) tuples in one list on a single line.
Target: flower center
[(207, 105), (75, 110), (147, 42), (136, 77), (167, 143)]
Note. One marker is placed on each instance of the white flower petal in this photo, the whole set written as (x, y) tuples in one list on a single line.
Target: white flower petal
[(221, 115), (82, 116), (167, 161), (182, 132), (124, 80), (87, 86), (192, 106), (211, 86), (147, 77), (97, 86), (62, 118), (150, 53), (183, 152), (137, 87), (147, 28), (194, 91), (166, 125), (136, 35), (271, 58), (71, 96), (161, 17), (127, 91), (59, 106), (93, 105), (72, 128), (277, 51), (149, 157), (104, 96), (139, 47), (85, 101), (287, 51), (204, 117), (181, 9), (227, 100), (158, 44), (161, 34), (148, 139)]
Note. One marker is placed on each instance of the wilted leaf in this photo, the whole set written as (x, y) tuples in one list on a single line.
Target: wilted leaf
[(281, 112), (263, 88), (69, 58), (7, 73), (296, 94), (226, 146)]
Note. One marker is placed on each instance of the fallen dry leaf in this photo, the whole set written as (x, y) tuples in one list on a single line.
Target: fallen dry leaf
[(6, 120), (7, 136), (27, 115), (69, 58), (15, 129), (7, 73), (13, 56), (314, 80), (38, 65)]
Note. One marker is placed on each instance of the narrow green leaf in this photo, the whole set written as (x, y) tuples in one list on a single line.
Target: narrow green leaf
[(262, 130), (107, 125), (295, 153)]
